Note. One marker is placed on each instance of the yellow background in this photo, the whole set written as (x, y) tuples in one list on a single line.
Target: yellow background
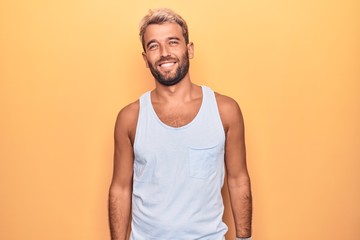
[(67, 68)]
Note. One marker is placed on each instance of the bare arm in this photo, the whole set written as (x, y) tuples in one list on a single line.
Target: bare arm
[(235, 158), (120, 191)]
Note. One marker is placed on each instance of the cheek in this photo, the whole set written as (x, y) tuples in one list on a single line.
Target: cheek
[(153, 57)]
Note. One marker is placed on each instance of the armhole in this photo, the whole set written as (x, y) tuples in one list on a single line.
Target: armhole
[(142, 104), (217, 111)]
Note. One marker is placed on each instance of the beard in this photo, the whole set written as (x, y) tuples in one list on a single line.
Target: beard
[(173, 79)]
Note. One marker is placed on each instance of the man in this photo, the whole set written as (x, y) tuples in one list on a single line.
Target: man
[(172, 147)]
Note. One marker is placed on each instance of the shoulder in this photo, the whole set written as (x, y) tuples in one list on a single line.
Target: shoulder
[(229, 110), (131, 109), (129, 112), (226, 103), (127, 119)]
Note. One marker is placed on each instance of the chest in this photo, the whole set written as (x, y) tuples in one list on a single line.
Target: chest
[(177, 115)]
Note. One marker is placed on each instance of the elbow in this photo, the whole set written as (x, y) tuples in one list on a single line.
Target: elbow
[(118, 191), (240, 181)]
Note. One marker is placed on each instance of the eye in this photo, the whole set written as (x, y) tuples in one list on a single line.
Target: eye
[(173, 43), (153, 46)]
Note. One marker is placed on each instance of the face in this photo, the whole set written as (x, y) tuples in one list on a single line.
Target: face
[(166, 53)]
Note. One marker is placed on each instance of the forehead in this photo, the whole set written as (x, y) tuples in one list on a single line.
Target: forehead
[(162, 31)]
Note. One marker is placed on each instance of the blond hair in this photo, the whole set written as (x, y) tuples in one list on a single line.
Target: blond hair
[(159, 16)]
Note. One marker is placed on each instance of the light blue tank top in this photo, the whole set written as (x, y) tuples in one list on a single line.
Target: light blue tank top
[(178, 175)]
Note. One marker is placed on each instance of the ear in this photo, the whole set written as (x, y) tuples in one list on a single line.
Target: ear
[(145, 59), (190, 49)]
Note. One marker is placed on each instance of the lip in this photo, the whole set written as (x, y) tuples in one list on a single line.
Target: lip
[(167, 63), (167, 66)]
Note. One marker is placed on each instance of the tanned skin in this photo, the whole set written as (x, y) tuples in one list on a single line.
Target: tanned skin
[(176, 106)]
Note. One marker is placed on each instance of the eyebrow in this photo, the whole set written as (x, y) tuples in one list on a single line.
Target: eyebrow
[(174, 38), (148, 44)]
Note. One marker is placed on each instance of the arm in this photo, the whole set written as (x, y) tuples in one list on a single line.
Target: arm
[(120, 191), (235, 159)]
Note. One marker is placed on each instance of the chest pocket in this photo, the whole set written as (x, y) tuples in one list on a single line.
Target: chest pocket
[(203, 161)]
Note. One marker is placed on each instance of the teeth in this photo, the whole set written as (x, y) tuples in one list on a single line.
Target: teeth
[(167, 64)]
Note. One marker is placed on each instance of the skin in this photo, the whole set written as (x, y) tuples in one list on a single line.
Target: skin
[(176, 105)]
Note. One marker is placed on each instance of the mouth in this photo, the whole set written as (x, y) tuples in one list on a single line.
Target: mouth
[(167, 64)]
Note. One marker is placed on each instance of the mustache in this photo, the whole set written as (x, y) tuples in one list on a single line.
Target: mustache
[(166, 59)]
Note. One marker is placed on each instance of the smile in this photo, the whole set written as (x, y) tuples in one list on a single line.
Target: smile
[(167, 64)]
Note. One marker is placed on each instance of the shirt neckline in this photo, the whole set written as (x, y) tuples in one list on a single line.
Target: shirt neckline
[(181, 127)]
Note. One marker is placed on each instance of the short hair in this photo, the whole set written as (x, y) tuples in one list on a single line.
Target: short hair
[(159, 16)]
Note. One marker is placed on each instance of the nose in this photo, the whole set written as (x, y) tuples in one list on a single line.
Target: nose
[(164, 51)]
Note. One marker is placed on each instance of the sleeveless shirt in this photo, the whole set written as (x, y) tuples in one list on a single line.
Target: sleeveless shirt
[(178, 175)]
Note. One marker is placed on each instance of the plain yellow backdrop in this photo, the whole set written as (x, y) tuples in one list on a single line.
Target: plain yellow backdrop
[(68, 67)]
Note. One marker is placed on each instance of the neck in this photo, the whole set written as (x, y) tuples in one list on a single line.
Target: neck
[(181, 91)]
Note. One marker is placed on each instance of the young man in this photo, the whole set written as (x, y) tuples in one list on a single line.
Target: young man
[(172, 147)]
